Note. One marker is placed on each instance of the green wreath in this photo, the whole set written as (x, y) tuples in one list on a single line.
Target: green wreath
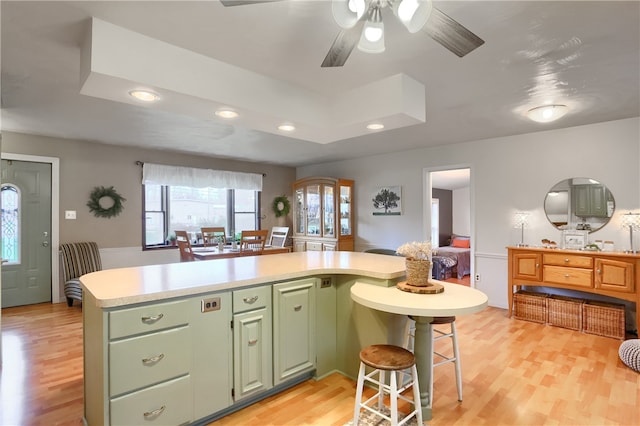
[(281, 206), (100, 192)]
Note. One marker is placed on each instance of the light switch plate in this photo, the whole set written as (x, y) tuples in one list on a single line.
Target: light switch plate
[(69, 214)]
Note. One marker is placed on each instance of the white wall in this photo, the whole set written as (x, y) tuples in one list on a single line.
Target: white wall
[(508, 174), (461, 210)]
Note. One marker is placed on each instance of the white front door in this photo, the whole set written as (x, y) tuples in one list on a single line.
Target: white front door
[(25, 197)]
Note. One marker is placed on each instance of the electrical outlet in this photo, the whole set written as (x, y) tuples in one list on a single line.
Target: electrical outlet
[(325, 282), (477, 278), (208, 305)]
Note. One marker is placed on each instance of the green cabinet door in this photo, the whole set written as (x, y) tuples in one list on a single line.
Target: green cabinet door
[(294, 327), (252, 348)]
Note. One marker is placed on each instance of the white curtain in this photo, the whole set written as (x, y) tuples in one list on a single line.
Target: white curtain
[(160, 174)]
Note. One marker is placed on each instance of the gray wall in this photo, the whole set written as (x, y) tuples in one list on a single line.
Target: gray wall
[(508, 174), (84, 165)]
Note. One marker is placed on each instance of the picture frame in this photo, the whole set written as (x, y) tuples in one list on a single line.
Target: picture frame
[(573, 239), (387, 201)]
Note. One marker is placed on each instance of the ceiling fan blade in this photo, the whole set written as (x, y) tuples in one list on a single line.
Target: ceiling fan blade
[(227, 3), (343, 45), (451, 34)]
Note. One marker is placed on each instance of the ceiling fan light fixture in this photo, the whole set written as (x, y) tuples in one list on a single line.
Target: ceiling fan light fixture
[(372, 38), (144, 95), (413, 14), (347, 12), (547, 113)]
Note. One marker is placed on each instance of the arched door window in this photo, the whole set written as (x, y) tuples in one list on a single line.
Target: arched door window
[(10, 202)]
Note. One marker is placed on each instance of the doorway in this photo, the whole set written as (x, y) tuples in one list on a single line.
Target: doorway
[(448, 199), (30, 274)]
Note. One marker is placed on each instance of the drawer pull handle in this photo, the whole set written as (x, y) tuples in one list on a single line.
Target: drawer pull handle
[(537, 265), (250, 300), (297, 308), (154, 413), (252, 342), (153, 318), (566, 260), (567, 275), (153, 359), (599, 271)]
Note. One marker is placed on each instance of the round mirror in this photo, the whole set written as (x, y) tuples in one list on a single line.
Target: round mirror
[(579, 203)]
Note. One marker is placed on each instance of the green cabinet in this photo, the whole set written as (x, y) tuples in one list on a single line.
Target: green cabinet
[(294, 325), (252, 346)]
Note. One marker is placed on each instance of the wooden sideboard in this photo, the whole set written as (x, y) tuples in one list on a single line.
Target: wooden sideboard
[(605, 273)]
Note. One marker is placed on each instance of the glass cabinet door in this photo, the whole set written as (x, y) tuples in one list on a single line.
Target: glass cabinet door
[(345, 210), (328, 209), (313, 210), (299, 225)]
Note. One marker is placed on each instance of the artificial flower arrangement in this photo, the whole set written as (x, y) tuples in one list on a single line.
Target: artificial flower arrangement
[(415, 250)]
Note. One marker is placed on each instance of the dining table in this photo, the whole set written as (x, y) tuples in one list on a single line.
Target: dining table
[(455, 300), (228, 251)]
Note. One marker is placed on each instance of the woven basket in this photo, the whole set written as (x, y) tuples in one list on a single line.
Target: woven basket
[(530, 306), (603, 319), (418, 272), (565, 312)]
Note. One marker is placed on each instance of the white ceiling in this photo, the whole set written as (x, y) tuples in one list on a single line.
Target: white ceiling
[(583, 54)]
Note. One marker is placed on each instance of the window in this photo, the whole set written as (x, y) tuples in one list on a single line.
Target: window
[(10, 200), (168, 208)]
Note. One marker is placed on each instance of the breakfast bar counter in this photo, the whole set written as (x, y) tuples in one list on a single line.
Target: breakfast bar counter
[(190, 342)]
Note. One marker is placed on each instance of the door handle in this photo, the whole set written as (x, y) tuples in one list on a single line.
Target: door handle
[(45, 244)]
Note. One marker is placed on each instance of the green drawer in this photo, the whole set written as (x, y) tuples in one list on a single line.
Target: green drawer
[(168, 403), (145, 360), (143, 319), (249, 299)]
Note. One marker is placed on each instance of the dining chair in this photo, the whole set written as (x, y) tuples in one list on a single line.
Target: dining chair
[(186, 252), (253, 241), (211, 235), (278, 236), (184, 245)]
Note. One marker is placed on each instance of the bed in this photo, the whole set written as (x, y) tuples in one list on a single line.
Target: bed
[(460, 250)]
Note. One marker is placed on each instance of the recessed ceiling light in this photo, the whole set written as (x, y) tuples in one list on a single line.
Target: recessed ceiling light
[(144, 95), (547, 113), (287, 127), (375, 126), (226, 113)]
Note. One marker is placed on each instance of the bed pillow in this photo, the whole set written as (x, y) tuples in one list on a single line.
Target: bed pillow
[(461, 243)]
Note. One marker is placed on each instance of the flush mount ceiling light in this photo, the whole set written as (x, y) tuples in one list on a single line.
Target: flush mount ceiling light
[(547, 113), (144, 95), (226, 113), (375, 126), (287, 127)]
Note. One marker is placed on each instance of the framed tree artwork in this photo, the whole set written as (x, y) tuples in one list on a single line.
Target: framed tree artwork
[(387, 201)]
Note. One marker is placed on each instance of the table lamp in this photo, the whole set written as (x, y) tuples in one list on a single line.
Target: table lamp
[(631, 220), (521, 222)]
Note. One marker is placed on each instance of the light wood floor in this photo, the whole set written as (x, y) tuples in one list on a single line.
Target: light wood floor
[(514, 373)]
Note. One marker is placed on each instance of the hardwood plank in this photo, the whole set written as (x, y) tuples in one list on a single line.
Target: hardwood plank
[(514, 373)]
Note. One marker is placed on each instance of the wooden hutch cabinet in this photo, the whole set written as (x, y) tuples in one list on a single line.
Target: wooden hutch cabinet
[(323, 214)]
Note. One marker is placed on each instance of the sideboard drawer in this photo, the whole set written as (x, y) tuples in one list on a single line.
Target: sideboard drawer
[(251, 298), (168, 403), (127, 322), (314, 246), (569, 276), (144, 360), (572, 260)]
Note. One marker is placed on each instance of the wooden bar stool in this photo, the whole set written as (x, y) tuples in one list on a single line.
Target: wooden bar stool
[(383, 358), (437, 334)]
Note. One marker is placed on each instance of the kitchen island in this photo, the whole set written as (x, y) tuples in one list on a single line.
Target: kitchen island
[(186, 343)]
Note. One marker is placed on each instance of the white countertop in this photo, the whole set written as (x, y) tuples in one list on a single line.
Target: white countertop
[(125, 286), (455, 300)]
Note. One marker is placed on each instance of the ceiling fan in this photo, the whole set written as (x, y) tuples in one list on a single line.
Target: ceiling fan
[(362, 26)]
